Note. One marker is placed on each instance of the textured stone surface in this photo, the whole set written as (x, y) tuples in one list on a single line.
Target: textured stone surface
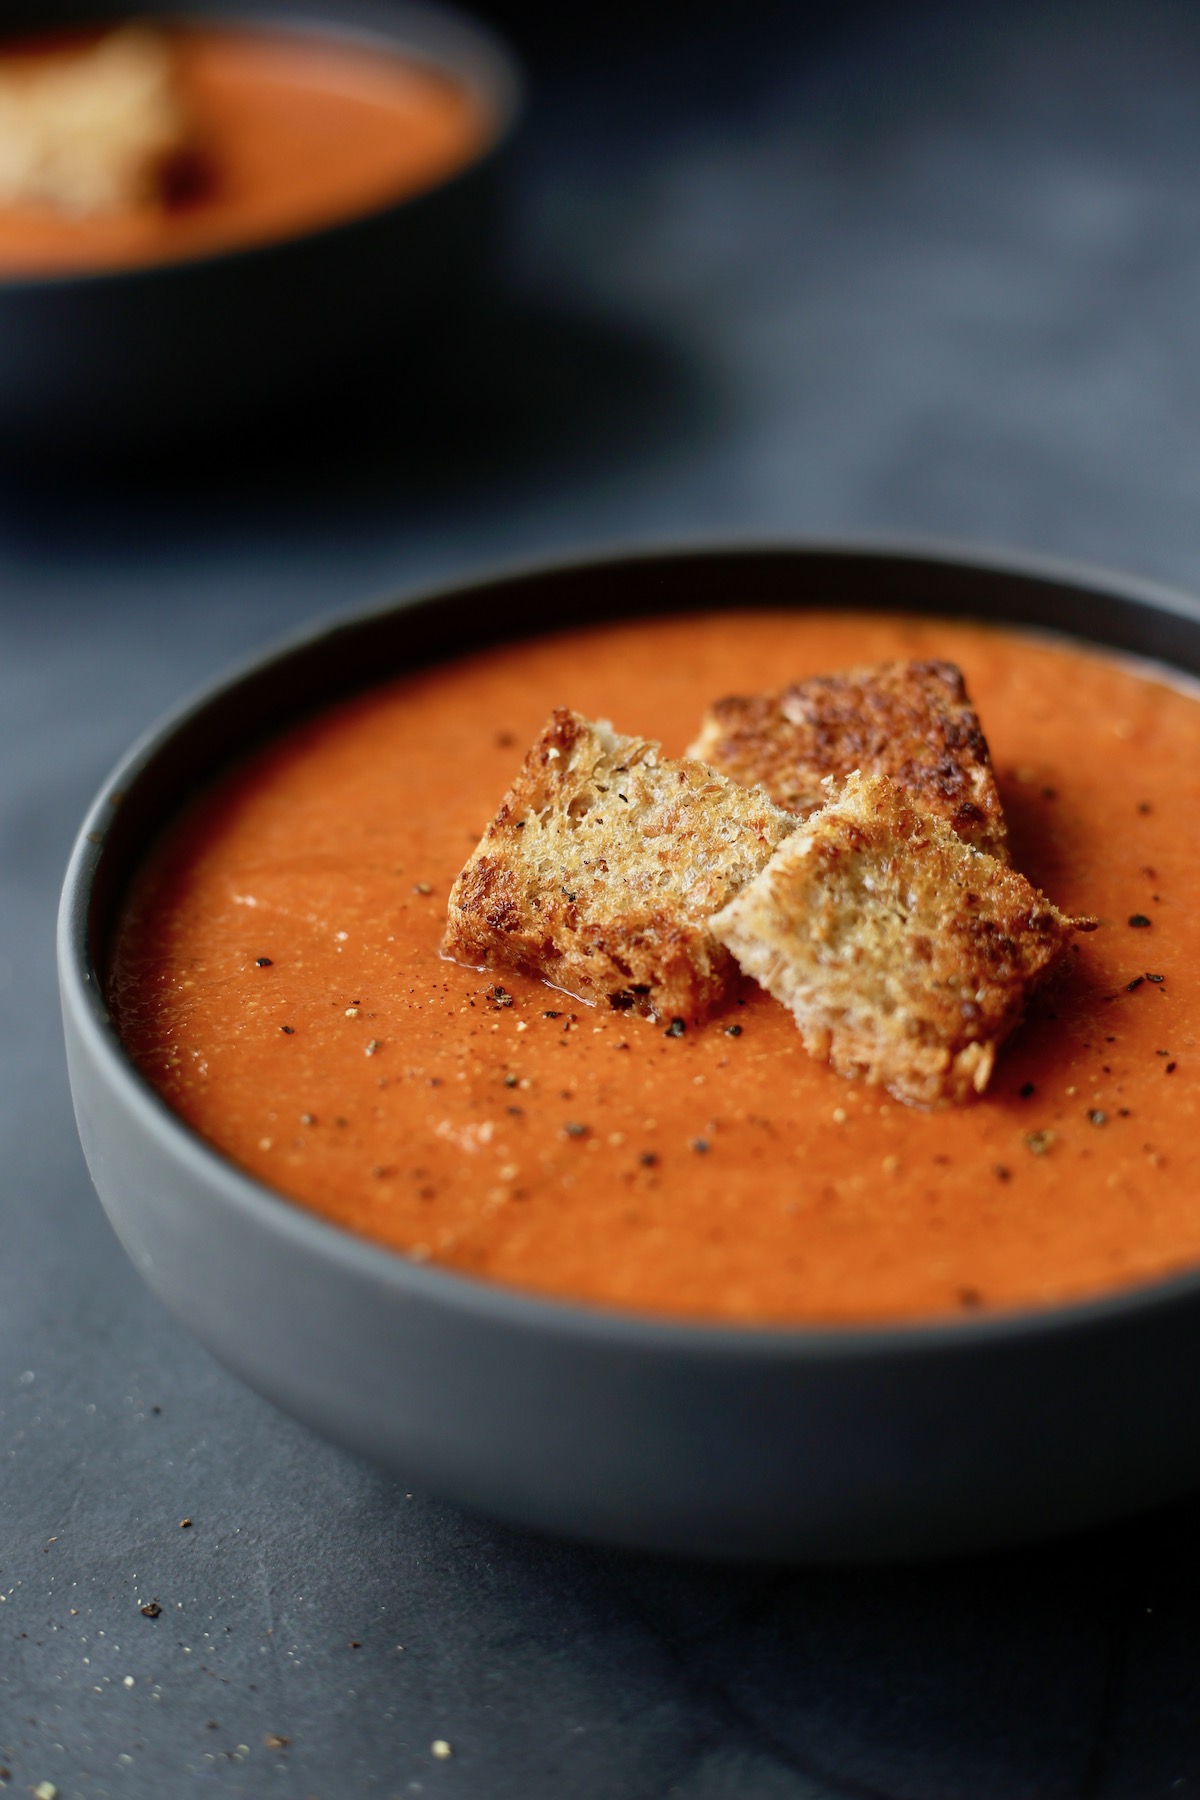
[(907, 269)]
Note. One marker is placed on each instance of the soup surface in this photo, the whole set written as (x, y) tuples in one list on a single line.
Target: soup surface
[(277, 978), (299, 131)]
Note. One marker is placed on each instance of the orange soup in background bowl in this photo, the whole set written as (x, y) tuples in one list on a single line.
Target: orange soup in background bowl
[(679, 1289), (313, 186)]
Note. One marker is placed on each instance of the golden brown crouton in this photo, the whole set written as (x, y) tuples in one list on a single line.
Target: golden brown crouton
[(906, 957), (92, 128), (602, 867), (911, 721)]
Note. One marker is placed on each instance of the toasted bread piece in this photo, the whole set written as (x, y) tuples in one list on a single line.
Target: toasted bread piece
[(602, 867), (906, 956), (93, 128), (911, 721)]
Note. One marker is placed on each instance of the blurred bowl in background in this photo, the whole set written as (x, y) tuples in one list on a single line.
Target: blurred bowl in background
[(302, 275)]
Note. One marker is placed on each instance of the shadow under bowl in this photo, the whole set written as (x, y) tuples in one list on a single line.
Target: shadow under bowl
[(121, 360), (822, 1444)]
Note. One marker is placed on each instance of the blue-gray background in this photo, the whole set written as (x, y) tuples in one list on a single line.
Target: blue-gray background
[(774, 270)]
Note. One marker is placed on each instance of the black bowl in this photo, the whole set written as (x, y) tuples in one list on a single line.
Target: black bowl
[(755, 1443), (123, 359)]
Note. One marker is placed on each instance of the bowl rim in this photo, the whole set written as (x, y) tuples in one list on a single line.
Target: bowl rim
[(433, 32), (770, 1343)]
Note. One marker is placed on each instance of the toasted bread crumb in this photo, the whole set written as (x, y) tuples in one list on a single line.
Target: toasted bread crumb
[(906, 957), (911, 721), (603, 866), (94, 128)]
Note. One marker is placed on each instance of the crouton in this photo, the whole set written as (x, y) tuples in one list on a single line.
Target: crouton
[(602, 867), (93, 128), (906, 956), (911, 721)]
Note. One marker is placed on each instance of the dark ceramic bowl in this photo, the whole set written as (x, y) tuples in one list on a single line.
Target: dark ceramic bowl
[(763, 1443), (121, 359)]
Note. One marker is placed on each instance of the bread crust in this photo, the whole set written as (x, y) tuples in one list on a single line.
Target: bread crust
[(602, 867), (906, 956), (910, 721)]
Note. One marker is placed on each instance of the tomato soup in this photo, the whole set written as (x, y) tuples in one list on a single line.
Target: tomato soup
[(277, 978), (296, 132)]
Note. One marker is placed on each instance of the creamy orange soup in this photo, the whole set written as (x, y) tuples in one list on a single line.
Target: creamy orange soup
[(277, 978), (297, 131)]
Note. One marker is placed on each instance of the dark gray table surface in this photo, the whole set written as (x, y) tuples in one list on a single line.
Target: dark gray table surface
[(884, 270)]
